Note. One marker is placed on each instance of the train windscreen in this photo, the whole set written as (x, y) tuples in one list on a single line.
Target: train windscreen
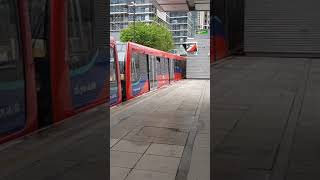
[(12, 83)]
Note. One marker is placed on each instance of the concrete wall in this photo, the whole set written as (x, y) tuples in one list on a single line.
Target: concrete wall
[(198, 66)]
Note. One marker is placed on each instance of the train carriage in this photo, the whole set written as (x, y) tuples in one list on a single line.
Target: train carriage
[(53, 62), (148, 69)]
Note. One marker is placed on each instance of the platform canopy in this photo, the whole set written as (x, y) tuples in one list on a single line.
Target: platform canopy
[(182, 5)]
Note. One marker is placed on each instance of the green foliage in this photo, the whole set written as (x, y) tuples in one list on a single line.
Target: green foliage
[(152, 35)]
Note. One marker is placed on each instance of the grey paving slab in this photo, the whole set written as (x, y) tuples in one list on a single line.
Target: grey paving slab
[(123, 159), (118, 173), (156, 163), (113, 142), (165, 150), (149, 175), (200, 164), (131, 146), (202, 141)]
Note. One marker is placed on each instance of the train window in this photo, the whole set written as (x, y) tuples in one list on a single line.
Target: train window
[(121, 48), (161, 66), (80, 33), (12, 85), (113, 76), (135, 68), (171, 68), (39, 16), (158, 65), (9, 41), (176, 66), (113, 72), (164, 66)]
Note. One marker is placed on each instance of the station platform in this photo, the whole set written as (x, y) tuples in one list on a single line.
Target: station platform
[(266, 118), (74, 149), (163, 134)]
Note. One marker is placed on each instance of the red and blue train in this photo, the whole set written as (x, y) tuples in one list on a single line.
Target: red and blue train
[(142, 69), (53, 62)]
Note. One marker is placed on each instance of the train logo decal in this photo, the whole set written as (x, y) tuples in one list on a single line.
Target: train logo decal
[(84, 88), (10, 110)]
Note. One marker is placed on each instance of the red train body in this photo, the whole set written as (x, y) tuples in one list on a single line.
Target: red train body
[(54, 64), (147, 69), (53, 74)]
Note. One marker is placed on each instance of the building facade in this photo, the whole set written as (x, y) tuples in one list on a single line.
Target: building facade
[(123, 12), (183, 26), (203, 20)]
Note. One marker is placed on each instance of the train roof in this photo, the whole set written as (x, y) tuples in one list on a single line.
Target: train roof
[(155, 52)]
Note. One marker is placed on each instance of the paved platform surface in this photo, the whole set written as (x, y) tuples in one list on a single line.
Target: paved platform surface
[(74, 149), (164, 135), (161, 135), (266, 119)]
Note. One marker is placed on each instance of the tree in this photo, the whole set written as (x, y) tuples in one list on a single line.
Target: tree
[(153, 35)]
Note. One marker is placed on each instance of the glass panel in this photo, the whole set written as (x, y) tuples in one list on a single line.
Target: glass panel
[(113, 78), (88, 64), (135, 68), (80, 32), (12, 89), (113, 75)]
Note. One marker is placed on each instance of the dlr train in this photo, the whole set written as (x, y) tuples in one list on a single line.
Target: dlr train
[(53, 62), (141, 69)]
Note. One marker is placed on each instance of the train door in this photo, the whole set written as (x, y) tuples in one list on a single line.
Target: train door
[(177, 70), (152, 72), (158, 71), (183, 69), (39, 22), (167, 72)]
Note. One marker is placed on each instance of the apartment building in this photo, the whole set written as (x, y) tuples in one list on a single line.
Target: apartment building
[(183, 26), (203, 20), (124, 12)]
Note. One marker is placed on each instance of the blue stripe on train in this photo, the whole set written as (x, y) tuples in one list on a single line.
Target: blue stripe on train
[(138, 86), (12, 108), (88, 82)]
